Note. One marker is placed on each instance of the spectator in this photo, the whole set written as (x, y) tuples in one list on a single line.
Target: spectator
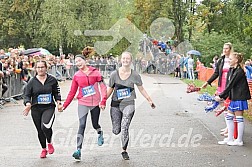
[(190, 67)]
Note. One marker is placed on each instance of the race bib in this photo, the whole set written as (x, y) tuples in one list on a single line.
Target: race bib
[(88, 91), (123, 93), (44, 99)]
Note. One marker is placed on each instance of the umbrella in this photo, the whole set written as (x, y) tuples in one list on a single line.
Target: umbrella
[(30, 51), (41, 52), (36, 51), (173, 54), (194, 52)]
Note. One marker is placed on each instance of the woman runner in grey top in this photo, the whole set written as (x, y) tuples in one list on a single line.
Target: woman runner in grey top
[(121, 84)]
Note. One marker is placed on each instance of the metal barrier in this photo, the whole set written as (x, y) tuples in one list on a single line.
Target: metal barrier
[(16, 84), (61, 73), (1, 89)]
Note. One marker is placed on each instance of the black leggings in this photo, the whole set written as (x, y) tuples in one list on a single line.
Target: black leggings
[(43, 119), (82, 113)]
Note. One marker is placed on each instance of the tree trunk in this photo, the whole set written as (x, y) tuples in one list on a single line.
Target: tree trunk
[(179, 18)]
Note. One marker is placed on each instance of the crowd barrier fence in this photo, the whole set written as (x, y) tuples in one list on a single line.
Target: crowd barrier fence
[(16, 84)]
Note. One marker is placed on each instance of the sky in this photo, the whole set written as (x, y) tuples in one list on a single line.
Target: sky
[(198, 1)]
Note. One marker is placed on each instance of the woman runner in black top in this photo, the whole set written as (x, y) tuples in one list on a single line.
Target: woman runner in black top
[(40, 95)]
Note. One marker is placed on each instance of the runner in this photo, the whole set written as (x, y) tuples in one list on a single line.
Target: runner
[(91, 97), (121, 84), (40, 95)]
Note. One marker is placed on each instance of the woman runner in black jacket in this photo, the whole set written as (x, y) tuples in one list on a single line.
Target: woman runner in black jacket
[(40, 95)]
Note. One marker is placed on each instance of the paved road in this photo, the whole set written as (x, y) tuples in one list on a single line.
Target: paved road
[(176, 133)]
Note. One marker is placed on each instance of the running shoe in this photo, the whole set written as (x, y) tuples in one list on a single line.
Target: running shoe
[(224, 133), (125, 155), (224, 141), (100, 139), (211, 107), (43, 153), (224, 129), (50, 148), (77, 155)]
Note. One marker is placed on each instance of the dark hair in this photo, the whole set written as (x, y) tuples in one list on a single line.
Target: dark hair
[(88, 51), (41, 61), (81, 56)]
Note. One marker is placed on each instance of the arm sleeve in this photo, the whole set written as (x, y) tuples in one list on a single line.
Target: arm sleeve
[(103, 89), (71, 93), (28, 92), (103, 93), (216, 73), (231, 84), (112, 80), (249, 68), (56, 91), (138, 80)]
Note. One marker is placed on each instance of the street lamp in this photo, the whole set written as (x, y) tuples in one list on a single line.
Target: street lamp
[(144, 46)]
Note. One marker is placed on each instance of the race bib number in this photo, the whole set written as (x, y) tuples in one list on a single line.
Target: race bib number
[(44, 99), (123, 93), (88, 91)]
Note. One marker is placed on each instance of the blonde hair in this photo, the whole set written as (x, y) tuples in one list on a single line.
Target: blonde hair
[(128, 53), (239, 57), (230, 46)]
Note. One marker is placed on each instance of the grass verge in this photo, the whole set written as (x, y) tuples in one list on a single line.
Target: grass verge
[(209, 89)]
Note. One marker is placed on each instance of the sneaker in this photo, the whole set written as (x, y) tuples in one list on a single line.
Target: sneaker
[(224, 129), (224, 141), (100, 139), (235, 143), (50, 148), (125, 155), (211, 107), (43, 153), (223, 133), (77, 155)]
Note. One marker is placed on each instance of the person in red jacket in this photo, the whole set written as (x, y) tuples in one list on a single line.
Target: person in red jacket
[(91, 97)]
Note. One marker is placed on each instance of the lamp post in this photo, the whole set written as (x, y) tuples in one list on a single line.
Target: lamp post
[(144, 46), (60, 50)]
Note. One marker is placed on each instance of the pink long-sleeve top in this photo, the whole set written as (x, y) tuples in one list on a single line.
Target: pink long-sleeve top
[(82, 80)]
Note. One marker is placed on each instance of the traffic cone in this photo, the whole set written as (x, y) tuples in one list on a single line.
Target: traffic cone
[(235, 128)]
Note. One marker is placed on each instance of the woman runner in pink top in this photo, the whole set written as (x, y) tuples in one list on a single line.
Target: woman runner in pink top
[(91, 97)]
